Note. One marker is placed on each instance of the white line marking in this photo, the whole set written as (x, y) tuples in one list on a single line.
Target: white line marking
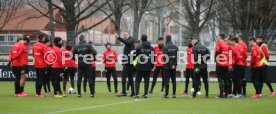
[(100, 106)]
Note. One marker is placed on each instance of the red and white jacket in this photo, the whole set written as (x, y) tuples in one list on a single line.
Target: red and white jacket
[(109, 58), (68, 63), (244, 53), (58, 62), (39, 50), (190, 64), (255, 56), (222, 51), (237, 57), (159, 61), (16, 53)]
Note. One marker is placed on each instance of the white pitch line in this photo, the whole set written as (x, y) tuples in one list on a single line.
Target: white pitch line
[(99, 106)]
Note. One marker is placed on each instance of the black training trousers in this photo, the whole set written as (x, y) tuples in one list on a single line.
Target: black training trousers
[(139, 76), (111, 72), (156, 72), (203, 73), (256, 79), (127, 74), (86, 72), (189, 74), (243, 80), (56, 78), (40, 74), (17, 73), (170, 74), (69, 73), (223, 79), (264, 79), (237, 78), (47, 79)]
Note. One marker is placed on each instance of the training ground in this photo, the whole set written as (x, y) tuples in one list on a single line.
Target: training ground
[(106, 103)]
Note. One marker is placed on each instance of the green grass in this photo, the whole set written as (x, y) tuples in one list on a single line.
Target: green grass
[(110, 104)]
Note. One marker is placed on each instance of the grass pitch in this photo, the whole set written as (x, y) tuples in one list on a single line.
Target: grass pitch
[(106, 103)]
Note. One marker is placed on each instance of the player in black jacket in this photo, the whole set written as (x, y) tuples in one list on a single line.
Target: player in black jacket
[(201, 56), (145, 64), (127, 63), (86, 55), (170, 63)]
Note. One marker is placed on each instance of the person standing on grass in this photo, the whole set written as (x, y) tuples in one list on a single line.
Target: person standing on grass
[(189, 66), (264, 64), (170, 64), (256, 67), (109, 59), (48, 77), (70, 67), (201, 56), (86, 55), (237, 67), (158, 64), (127, 63), (58, 67), (16, 58), (40, 64), (244, 57), (25, 62), (144, 54), (222, 71)]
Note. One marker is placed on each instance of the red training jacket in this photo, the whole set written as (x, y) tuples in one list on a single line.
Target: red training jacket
[(190, 64), (255, 56), (16, 53), (109, 58), (68, 63), (58, 62), (25, 60), (244, 53), (237, 57), (222, 50), (93, 65), (39, 50), (159, 62)]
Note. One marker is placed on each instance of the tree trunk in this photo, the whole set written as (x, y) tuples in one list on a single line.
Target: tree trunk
[(136, 27), (71, 32), (118, 31)]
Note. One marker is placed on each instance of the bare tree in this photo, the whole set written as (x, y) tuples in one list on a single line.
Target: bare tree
[(118, 8), (140, 7), (7, 10), (196, 13), (75, 11), (249, 17)]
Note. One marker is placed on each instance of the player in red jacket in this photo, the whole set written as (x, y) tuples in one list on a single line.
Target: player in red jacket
[(189, 66), (25, 62), (244, 55), (265, 55), (39, 52), (222, 63), (70, 67), (48, 77), (16, 58), (255, 67), (158, 66), (237, 66), (109, 59), (58, 67)]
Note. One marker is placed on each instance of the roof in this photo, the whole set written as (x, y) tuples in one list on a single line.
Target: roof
[(27, 19)]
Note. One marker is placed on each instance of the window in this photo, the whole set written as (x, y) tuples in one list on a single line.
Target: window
[(2, 38), (11, 38)]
